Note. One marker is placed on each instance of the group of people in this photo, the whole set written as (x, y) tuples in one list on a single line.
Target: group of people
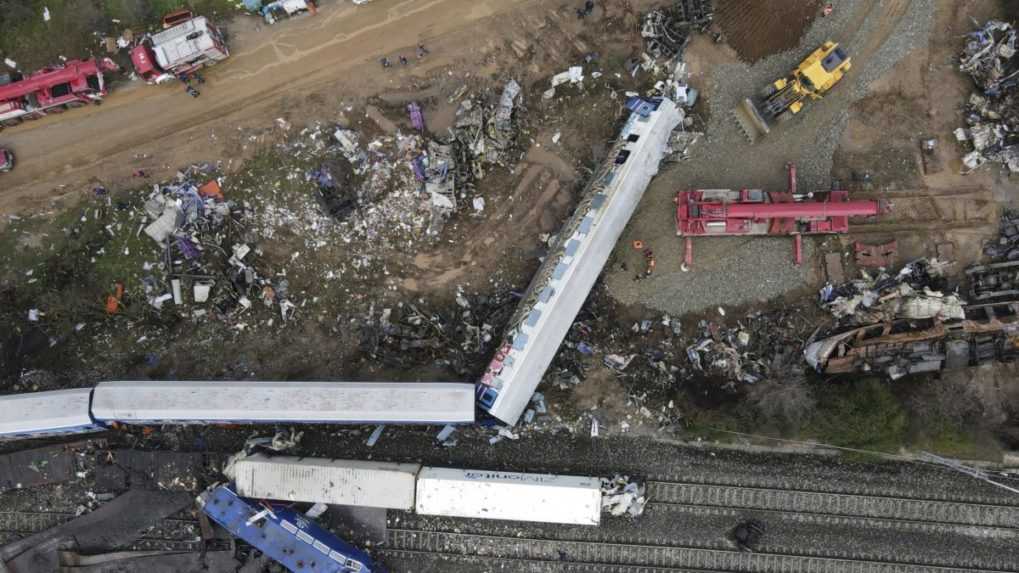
[(421, 52), (185, 79)]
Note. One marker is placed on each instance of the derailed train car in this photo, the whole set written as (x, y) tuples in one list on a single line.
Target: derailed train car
[(42, 414), (989, 332)]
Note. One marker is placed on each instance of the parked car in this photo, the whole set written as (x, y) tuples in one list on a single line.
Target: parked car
[(6, 160)]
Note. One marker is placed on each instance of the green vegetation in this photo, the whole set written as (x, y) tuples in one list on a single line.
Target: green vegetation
[(76, 27), (863, 414)]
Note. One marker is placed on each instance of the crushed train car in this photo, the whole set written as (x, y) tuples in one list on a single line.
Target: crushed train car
[(289, 537), (900, 347)]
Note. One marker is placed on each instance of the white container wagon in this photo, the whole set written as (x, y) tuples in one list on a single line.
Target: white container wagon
[(509, 495), (234, 402), (39, 414), (320, 480)]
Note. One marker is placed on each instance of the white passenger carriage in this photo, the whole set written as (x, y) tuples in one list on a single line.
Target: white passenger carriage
[(515, 496), (40, 414), (237, 402)]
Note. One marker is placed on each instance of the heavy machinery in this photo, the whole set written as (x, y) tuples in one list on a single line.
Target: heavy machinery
[(727, 212), (53, 89), (781, 100), (187, 44)]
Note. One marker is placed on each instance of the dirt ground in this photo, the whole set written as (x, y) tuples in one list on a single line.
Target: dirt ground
[(759, 29)]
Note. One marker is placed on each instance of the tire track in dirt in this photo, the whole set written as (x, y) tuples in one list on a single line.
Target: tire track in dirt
[(161, 122)]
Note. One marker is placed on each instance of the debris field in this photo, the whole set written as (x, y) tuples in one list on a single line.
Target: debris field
[(508, 288)]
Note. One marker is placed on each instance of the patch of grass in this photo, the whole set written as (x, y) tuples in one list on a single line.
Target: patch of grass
[(76, 27), (863, 414)]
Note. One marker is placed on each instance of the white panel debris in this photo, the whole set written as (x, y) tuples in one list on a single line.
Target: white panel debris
[(319, 480), (509, 495), (565, 278)]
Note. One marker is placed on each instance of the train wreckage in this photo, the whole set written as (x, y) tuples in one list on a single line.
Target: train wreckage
[(921, 331)]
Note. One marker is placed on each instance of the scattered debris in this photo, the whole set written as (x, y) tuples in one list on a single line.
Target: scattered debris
[(666, 31), (989, 57), (915, 292), (623, 496)]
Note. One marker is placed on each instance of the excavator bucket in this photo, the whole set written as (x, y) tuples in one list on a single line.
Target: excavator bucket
[(750, 121)]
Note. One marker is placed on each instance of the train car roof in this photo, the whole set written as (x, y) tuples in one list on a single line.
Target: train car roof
[(294, 401), (45, 412)]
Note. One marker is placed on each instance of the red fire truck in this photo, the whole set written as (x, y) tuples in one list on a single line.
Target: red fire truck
[(52, 90), (187, 44)]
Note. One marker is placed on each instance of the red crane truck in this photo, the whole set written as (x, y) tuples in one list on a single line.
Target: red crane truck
[(728, 212), (52, 90)]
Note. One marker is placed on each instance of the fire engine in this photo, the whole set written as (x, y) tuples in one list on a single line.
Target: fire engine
[(187, 44), (53, 89)]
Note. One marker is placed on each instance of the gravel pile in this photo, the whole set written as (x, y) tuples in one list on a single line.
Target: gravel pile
[(738, 271)]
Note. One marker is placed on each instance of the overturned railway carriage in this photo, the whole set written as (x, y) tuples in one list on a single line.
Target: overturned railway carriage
[(43, 414), (562, 283), (990, 332), (283, 534), (233, 402), (238, 402)]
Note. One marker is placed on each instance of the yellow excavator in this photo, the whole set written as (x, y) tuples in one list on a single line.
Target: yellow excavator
[(781, 100)]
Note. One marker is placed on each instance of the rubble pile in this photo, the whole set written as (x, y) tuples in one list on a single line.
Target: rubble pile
[(623, 496), (1006, 248), (915, 292), (666, 31), (205, 259), (484, 135), (654, 357), (460, 337), (393, 191), (992, 116)]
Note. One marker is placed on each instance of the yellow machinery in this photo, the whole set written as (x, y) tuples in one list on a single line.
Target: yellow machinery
[(780, 100)]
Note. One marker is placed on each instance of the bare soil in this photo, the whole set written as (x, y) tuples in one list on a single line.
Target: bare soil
[(764, 27)]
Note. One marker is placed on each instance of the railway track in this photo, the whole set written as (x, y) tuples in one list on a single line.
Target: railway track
[(170, 534), (903, 509), (616, 556)]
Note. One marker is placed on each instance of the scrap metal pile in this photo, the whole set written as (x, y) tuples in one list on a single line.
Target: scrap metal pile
[(991, 115), (206, 264), (396, 190), (659, 355), (666, 31), (914, 292), (998, 279), (459, 337), (904, 323)]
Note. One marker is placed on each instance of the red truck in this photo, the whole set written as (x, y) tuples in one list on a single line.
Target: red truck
[(186, 44), (53, 89)]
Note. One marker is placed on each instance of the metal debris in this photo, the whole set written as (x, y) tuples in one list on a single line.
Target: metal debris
[(666, 31), (623, 496), (991, 115)]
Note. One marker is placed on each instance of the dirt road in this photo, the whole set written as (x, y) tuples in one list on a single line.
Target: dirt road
[(273, 71)]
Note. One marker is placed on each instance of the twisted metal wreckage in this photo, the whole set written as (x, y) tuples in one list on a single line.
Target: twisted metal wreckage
[(992, 121), (905, 324)]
